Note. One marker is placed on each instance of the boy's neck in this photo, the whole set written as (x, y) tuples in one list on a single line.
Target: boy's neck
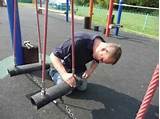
[(96, 45)]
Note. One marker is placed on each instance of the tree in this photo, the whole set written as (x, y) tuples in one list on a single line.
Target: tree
[(102, 3), (82, 2)]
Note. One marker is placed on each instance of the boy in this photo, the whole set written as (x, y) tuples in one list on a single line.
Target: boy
[(88, 48)]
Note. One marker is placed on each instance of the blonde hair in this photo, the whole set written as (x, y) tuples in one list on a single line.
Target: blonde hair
[(116, 52)]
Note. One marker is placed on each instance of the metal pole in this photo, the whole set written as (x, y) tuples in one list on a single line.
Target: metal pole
[(109, 19), (67, 10), (91, 10), (72, 34), (40, 3), (43, 91), (38, 31), (15, 30), (119, 13)]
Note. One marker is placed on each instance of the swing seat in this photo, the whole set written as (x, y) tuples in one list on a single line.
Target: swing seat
[(39, 100)]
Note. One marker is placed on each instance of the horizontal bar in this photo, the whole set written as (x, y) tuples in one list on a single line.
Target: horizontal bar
[(134, 6), (22, 69)]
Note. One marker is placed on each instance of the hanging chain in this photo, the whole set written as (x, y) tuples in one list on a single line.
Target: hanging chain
[(35, 80), (67, 109), (69, 112)]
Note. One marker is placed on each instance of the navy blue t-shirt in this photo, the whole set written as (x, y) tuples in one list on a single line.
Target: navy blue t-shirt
[(83, 51)]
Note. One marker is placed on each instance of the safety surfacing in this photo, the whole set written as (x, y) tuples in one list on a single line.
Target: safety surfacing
[(114, 92)]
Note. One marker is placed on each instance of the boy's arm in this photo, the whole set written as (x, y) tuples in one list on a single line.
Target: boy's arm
[(90, 70), (60, 68)]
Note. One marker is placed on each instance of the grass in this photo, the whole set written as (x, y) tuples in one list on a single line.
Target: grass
[(132, 22)]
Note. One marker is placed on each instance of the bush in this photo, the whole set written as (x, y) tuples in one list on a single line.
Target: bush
[(25, 1), (105, 3)]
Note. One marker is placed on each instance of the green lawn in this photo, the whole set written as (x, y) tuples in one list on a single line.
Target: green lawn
[(132, 22)]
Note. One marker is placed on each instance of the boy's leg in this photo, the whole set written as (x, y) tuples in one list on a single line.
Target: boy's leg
[(55, 76), (81, 83)]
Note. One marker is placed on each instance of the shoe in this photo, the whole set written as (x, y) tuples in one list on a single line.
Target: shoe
[(82, 85), (67, 94)]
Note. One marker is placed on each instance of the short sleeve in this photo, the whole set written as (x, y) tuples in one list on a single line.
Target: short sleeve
[(58, 52), (98, 36), (62, 50)]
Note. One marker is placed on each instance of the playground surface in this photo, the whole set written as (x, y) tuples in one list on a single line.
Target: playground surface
[(114, 92)]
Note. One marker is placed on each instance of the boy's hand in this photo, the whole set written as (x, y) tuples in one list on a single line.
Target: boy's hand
[(86, 74), (69, 79)]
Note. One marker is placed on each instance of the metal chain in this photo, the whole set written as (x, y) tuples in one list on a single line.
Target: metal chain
[(67, 109), (35, 80), (70, 113)]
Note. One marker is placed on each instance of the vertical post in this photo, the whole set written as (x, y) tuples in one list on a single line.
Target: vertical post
[(72, 36), (40, 10), (109, 19), (44, 49), (67, 10), (12, 7), (38, 31), (145, 22), (90, 10), (119, 13), (40, 3)]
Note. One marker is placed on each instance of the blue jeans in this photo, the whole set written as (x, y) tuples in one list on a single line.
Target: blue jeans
[(81, 84)]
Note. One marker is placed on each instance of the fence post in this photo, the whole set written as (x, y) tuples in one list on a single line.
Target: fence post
[(145, 22)]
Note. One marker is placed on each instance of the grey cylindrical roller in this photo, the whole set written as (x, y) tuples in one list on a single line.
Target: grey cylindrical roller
[(22, 69), (52, 93)]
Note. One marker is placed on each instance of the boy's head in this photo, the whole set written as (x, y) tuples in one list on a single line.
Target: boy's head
[(108, 53)]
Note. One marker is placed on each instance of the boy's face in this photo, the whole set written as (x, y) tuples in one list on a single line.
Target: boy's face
[(104, 55)]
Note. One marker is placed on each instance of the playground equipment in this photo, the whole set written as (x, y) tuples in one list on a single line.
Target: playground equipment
[(117, 26), (112, 26), (13, 14), (87, 22), (149, 94), (88, 19), (20, 51), (109, 26), (57, 5), (48, 95), (110, 18)]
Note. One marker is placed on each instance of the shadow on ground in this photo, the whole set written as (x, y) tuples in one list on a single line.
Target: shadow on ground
[(116, 105)]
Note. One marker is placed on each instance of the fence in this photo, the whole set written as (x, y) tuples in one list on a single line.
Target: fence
[(143, 19), (132, 21)]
